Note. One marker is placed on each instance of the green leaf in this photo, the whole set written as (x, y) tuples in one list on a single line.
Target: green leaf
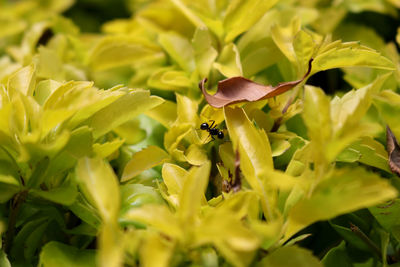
[(108, 148), (256, 158), (192, 195), (173, 177), (169, 79), (179, 49), (367, 151), (195, 155), (344, 191), (86, 212), (387, 215), (156, 251), (241, 15), (317, 117), (290, 256), (143, 160), (64, 194), (340, 55), (136, 195), (303, 45), (204, 53), (158, 217), (165, 113), (100, 186), (283, 38), (22, 81), (4, 262), (120, 50), (58, 254), (122, 110), (337, 256), (387, 103), (228, 234), (228, 63)]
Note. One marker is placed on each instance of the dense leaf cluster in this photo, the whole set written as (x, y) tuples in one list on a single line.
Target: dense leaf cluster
[(103, 162)]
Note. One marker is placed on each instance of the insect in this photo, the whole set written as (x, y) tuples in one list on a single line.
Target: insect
[(212, 130)]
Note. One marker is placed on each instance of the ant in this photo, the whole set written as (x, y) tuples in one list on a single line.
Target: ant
[(212, 129)]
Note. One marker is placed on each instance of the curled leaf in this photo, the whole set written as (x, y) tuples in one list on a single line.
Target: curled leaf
[(393, 149), (239, 89)]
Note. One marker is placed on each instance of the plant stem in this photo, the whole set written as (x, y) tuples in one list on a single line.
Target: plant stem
[(18, 200), (366, 239)]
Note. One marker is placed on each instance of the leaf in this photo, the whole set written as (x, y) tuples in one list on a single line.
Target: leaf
[(136, 195), (4, 262), (387, 103), (120, 50), (143, 160), (174, 178), (100, 185), (368, 151), (58, 254), (165, 113), (156, 251), (111, 246), (317, 117), (283, 38), (179, 49), (337, 256), (387, 215), (195, 155), (290, 256), (106, 149), (303, 45), (241, 15), (158, 217), (239, 89), (346, 190), (64, 194), (192, 194), (393, 149), (340, 55), (228, 234), (22, 81), (86, 212), (204, 53), (228, 63), (122, 110), (169, 79), (256, 158)]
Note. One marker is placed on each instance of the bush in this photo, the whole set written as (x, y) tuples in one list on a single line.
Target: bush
[(274, 161)]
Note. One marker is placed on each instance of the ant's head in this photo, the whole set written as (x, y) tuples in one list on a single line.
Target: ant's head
[(220, 135), (204, 126)]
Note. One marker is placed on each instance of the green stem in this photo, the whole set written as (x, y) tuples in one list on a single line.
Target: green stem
[(366, 239), (18, 200)]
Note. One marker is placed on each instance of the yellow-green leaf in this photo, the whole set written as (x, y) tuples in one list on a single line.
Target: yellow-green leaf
[(241, 15), (122, 110), (228, 63), (22, 81), (156, 251), (290, 256), (192, 195), (114, 51), (100, 186), (344, 191), (143, 160)]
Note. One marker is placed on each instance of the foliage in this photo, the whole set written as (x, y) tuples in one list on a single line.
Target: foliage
[(124, 176)]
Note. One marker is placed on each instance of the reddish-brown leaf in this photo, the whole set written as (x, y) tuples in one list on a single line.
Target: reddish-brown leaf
[(393, 149), (239, 89)]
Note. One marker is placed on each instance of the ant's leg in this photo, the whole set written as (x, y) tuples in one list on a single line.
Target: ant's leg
[(212, 124), (207, 138)]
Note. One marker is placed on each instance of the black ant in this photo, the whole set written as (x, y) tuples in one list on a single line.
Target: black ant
[(212, 129)]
